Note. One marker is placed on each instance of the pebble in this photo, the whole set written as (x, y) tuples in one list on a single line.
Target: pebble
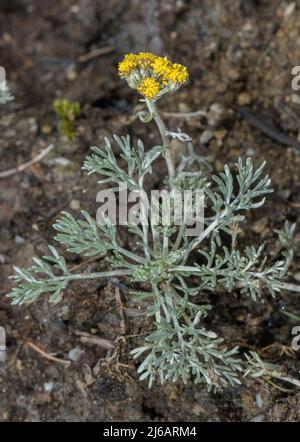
[(46, 129), (250, 152), (75, 354), (289, 9), (244, 99), (61, 161), (233, 74), (19, 240), (71, 73), (258, 400), (75, 9), (285, 193), (48, 386), (206, 136), (215, 114), (197, 409), (220, 134), (74, 204), (33, 126), (219, 165), (260, 225), (94, 331)]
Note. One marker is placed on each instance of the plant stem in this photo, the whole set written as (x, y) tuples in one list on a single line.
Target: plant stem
[(144, 208), (156, 298), (290, 287), (164, 136), (129, 254), (96, 275)]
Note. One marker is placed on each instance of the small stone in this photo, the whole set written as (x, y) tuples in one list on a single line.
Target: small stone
[(75, 9), (285, 193), (46, 129), (75, 354), (183, 107), (233, 74), (250, 152), (7, 38), (19, 240), (248, 27), (35, 227), (289, 9), (88, 375), (94, 331), (260, 225), (244, 99), (197, 409), (220, 134), (216, 114), (206, 136), (64, 313), (2, 259), (48, 386), (241, 317), (61, 161), (219, 166), (258, 400), (33, 126), (74, 204), (71, 73)]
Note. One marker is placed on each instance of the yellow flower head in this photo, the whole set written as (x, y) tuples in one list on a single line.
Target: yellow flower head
[(145, 60), (161, 67), (128, 65), (177, 74), (152, 74), (150, 88)]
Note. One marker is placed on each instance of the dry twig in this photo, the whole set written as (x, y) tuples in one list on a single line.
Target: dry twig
[(95, 53), (24, 166), (92, 339), (49, 356)]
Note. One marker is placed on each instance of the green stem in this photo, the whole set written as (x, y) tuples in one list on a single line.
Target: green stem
[(193, 244), (156, 296), (145, 220), (164, 136), (95, 275), (130, 255)]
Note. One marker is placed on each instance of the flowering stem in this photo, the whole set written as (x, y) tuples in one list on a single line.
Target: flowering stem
[(165, 139)]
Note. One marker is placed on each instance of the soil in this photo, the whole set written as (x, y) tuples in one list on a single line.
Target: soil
[(239, 53)]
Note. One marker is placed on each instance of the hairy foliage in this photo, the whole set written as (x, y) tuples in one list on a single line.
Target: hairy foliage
[(179, 345)]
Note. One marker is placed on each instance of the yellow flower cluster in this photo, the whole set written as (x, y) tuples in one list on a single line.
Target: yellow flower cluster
[(128, 65), (150, 88), (145, 60), (132, 62), (170, 72), (177, 74), (152, 73)]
